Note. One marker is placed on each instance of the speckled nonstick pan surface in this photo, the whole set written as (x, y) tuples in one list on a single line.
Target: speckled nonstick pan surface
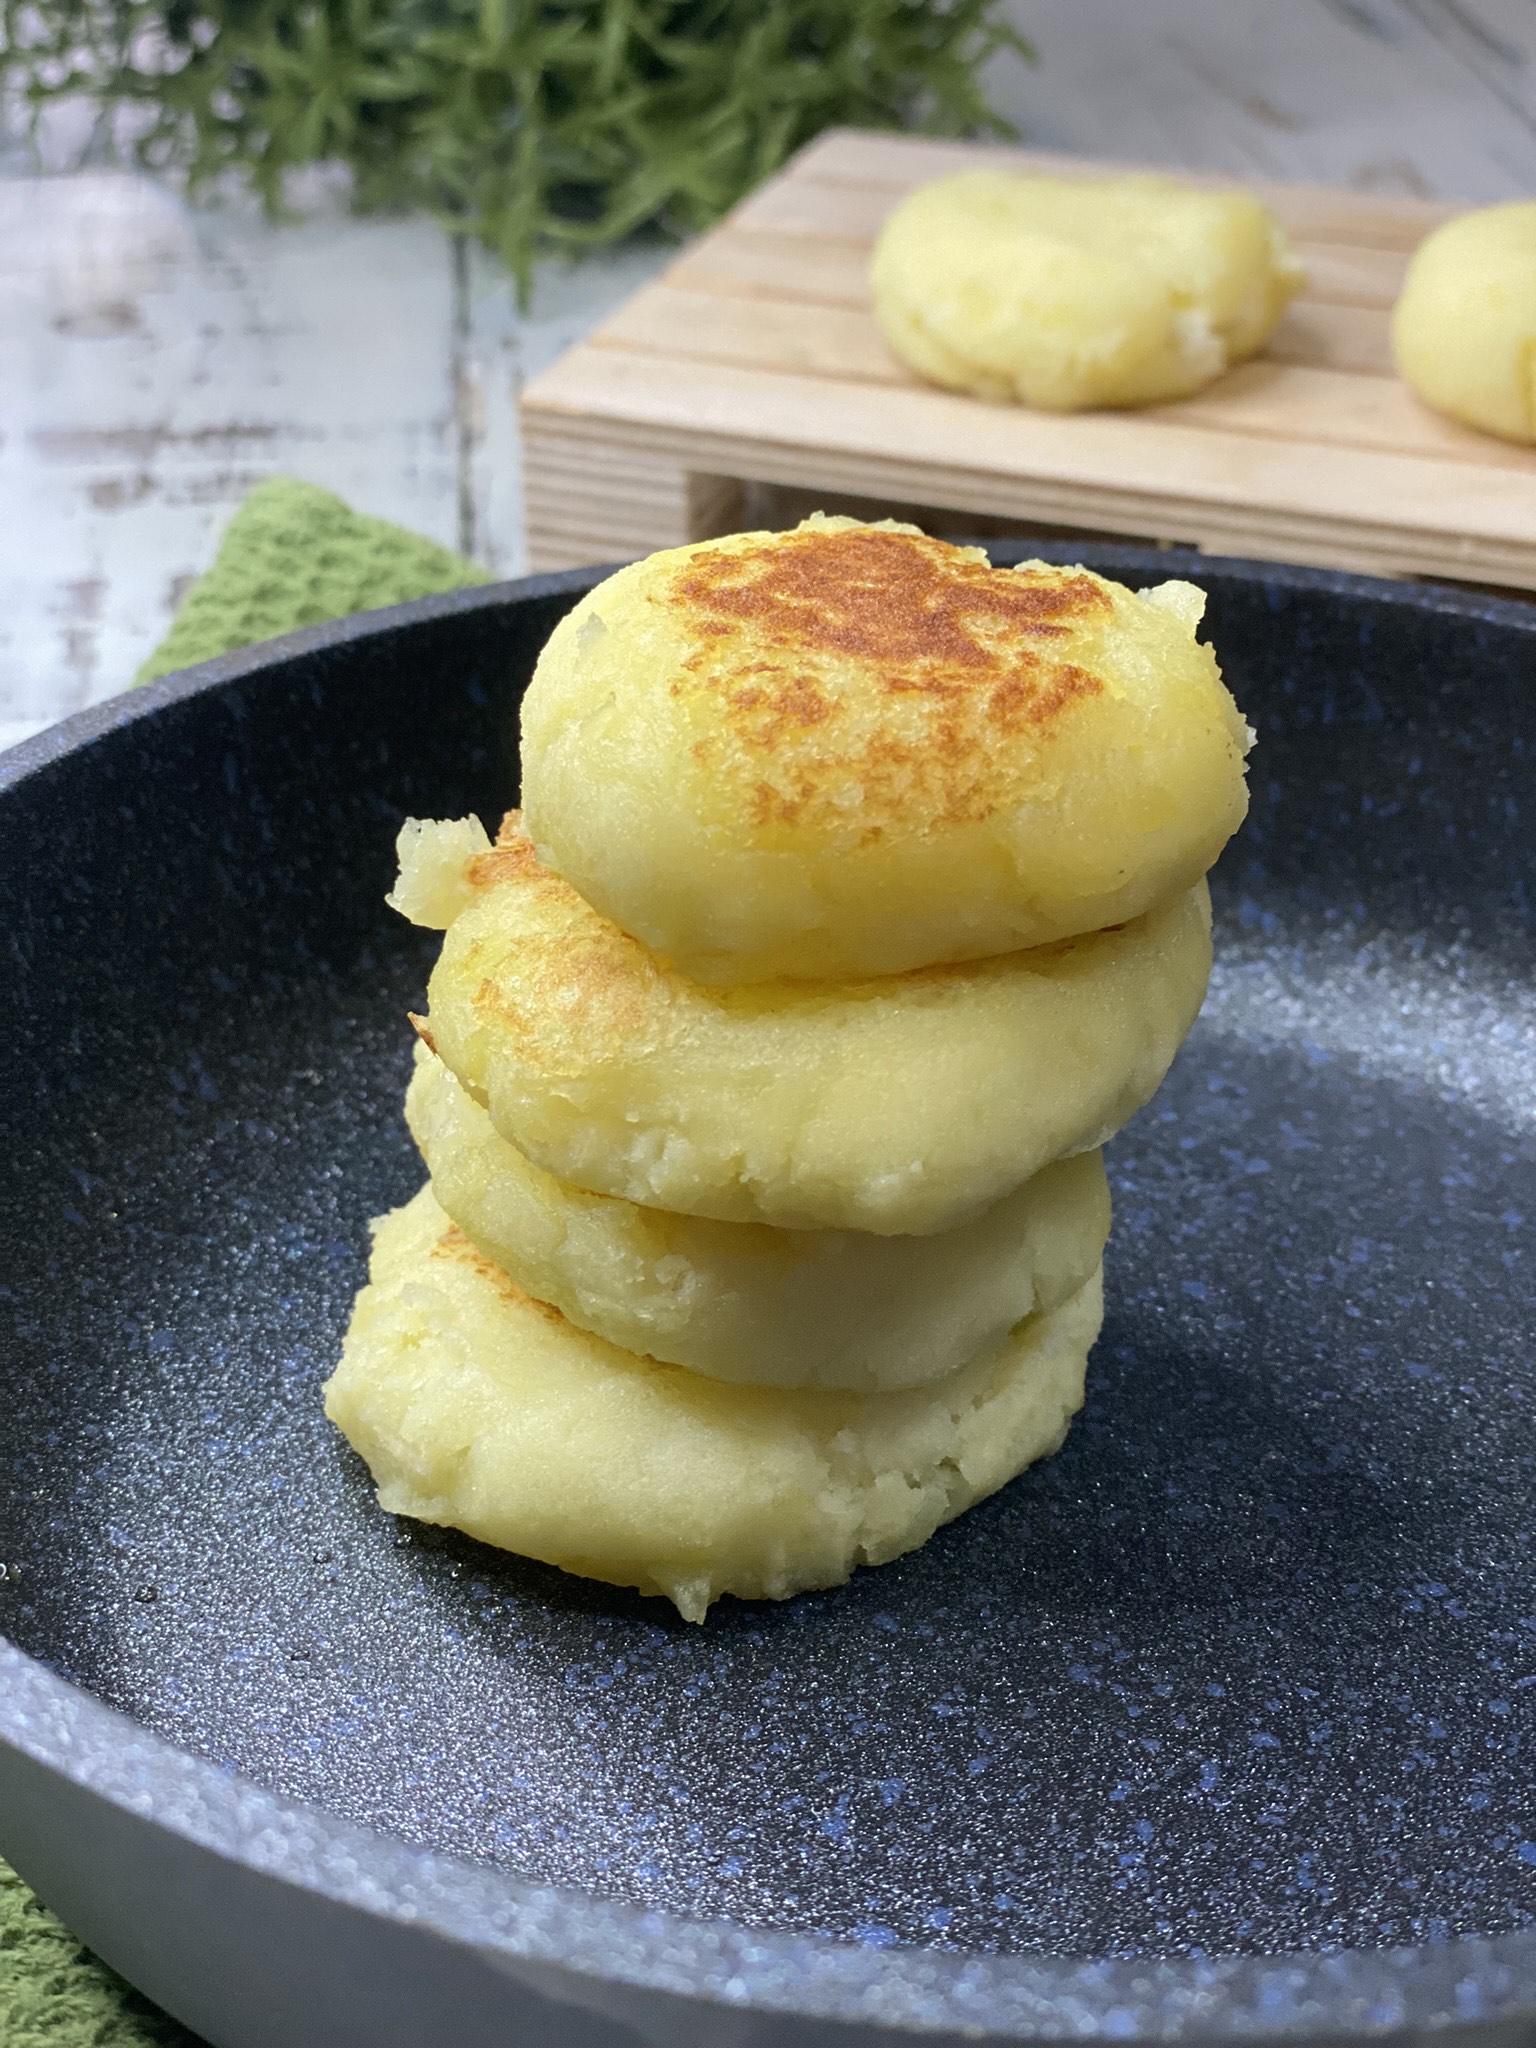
[(1217, 1724)]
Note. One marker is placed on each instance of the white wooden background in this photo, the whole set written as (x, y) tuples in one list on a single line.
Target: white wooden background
[(156, 361)]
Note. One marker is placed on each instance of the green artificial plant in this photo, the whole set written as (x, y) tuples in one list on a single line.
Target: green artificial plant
[(532, 124)]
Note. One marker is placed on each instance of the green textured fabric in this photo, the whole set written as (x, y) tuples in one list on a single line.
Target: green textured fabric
[(292, 556), (55, 1994)]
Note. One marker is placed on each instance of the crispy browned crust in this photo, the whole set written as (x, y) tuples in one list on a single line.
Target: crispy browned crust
[(511, 859), (601, 983), (887, 660)]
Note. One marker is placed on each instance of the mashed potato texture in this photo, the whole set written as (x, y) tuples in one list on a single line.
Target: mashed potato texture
[(743, 1302), (1070, 292), (901, 1105), (1464, 329), (852, 750), (859, 898), (478, 1407)]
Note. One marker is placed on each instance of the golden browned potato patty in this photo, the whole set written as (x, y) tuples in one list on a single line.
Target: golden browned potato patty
[(902, 1105), (852, 750)]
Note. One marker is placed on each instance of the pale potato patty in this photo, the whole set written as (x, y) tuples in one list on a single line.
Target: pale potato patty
[(853, 750), (902, 1105), (1464, 328), (476, 1406), (1062, 293), (742, 1301)]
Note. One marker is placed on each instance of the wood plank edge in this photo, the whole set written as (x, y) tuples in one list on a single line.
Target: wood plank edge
[(1269, 534), (1186, 421)]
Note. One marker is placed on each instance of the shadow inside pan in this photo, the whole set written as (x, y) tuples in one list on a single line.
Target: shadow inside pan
[(1245, 1666)]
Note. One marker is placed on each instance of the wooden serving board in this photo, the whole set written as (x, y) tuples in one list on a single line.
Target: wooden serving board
[(754, 360)]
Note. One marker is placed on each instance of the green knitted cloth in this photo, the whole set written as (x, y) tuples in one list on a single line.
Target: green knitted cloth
[(291, 556)]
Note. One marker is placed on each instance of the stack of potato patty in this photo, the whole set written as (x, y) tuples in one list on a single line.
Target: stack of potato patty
[(856, 899)]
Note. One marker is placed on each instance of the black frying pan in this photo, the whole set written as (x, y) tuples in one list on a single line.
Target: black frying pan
[(1210, 1726)]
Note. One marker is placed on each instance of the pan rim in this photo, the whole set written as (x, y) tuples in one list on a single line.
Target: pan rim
[(1469, 1983)]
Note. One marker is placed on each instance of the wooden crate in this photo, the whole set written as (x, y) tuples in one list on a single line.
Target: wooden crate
[(753, 364)]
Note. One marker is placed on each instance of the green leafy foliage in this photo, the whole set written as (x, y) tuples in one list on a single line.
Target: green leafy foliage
[(533, 124)]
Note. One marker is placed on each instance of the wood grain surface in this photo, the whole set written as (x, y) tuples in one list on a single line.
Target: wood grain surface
[(755, 358)]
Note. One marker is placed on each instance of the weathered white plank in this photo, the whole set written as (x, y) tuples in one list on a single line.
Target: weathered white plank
[(157, 361), (1420, 96), (154, 363), (503, 347)]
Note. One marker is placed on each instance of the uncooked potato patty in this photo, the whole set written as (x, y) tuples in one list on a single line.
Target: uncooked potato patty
[(1464, 330), (852, 750), (741, 1301), (905, 1104), (1069, 292), (480, 1408)]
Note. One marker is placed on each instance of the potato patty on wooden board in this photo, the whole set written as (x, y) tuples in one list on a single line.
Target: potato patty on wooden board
[(852, 750), (476, 1406), (1464, 327), (1063, 293)]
